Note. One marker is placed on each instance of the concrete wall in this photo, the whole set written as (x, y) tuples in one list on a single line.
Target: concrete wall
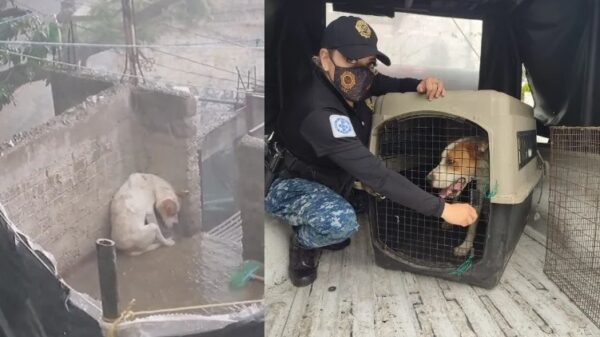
[(57, 179), (223, 158), (250, 195), (256, 113), (168, 128)]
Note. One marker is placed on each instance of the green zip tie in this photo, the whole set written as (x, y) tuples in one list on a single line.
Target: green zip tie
[(465, 266), (468, 263), (493, 192)]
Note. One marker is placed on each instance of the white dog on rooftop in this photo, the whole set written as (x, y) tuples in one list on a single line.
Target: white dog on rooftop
[(134, 226)]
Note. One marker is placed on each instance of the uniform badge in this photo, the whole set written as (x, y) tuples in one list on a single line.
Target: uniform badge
[(369, 102), (341, 126), (363, 29), (348, 80)]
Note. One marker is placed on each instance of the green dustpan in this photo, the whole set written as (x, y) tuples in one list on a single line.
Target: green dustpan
[(247, 272)]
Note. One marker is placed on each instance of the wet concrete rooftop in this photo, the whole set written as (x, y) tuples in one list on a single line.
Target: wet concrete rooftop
[(194, 271)]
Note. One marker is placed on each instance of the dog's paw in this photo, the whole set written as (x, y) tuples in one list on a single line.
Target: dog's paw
[(169, 242), (462, 250)]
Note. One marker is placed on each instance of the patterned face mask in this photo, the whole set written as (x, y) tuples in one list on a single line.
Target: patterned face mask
[(353, 82)]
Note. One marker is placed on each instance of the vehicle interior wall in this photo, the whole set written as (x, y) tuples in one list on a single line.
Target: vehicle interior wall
[(556, 41), (293, 34)]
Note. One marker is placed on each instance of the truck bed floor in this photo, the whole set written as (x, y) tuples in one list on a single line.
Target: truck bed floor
[(354, 297)]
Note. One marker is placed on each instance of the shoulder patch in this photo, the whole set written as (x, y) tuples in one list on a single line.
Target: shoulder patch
[(341, 126)]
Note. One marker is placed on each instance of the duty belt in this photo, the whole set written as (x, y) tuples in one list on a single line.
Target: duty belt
[(293, 167), (281, 163)]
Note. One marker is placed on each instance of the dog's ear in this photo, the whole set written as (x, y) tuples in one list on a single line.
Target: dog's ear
[(476, 148)]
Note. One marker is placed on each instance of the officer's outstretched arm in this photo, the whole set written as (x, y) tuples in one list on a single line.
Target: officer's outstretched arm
[(370, 170), (383, 84)]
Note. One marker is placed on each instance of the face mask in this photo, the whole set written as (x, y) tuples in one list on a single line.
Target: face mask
[(353, 82)]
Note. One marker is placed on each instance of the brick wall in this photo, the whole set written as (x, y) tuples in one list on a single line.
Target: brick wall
[(57, 180)]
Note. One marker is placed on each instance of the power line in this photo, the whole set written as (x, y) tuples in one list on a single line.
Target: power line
[(235, 43), (163, 23), (129, 46), (466, 38), (198, 62), (195, 73), (60, 63), (194, 61), (110, 45), (98, 71), (153, 47), (16, 19), (183, 30)]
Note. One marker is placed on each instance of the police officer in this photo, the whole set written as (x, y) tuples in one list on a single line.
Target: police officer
[(326, 133)]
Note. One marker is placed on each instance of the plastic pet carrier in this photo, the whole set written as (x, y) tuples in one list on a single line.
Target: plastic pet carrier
[(470, 146)]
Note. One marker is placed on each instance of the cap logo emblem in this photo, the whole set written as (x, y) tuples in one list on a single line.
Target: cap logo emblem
[(348, 81), (363, 29)]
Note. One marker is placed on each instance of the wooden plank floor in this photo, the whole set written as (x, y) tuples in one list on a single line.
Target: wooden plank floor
[(354, 297)]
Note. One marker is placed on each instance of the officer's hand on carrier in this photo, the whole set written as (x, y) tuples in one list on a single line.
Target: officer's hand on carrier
[(432, 88), (459, 214)]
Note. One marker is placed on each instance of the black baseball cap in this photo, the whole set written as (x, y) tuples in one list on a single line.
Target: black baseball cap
[(354, 38)]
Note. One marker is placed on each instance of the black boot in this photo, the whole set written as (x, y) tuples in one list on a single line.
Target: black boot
[(303, 264), (339, 245)]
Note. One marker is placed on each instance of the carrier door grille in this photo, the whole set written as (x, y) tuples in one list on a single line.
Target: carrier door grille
[(413, 147)]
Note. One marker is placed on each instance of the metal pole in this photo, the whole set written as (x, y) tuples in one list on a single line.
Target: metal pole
[(107, 272), (129, 30)]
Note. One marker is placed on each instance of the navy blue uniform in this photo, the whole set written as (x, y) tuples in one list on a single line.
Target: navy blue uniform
[(326, 133)]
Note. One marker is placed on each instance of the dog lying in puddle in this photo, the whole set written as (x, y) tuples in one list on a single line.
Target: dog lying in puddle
[(463, 161), (134, 224)]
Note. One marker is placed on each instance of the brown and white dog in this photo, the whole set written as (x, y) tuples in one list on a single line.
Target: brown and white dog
[(462, 161), (134, 226)]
